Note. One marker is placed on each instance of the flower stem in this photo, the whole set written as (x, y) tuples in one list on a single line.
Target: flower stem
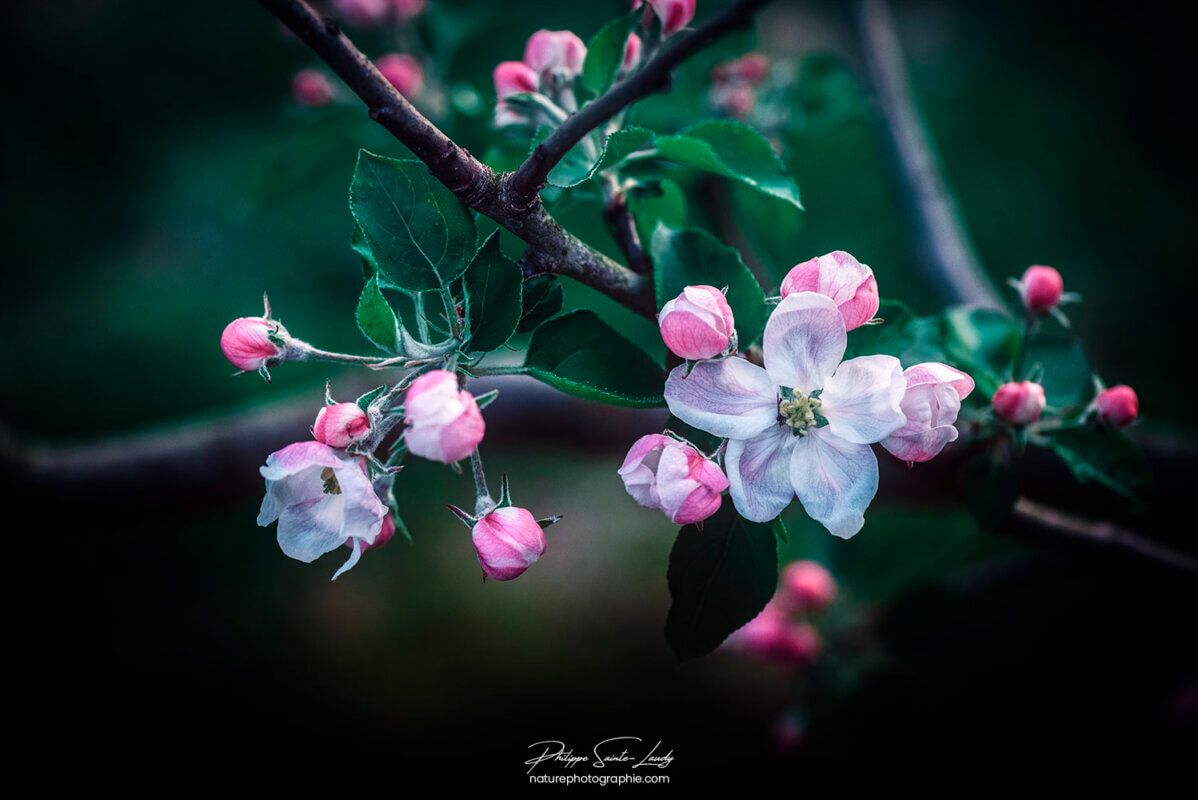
[(483, 502)]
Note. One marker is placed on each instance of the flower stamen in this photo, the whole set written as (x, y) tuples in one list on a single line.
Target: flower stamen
[(798, 411)]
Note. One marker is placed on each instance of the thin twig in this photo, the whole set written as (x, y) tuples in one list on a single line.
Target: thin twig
[(622, 225)]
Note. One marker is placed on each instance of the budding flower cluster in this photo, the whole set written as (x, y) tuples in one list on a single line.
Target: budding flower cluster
[(673, 477), (781, 634)]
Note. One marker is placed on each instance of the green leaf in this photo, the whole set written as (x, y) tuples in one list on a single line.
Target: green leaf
[(1105, 457), (541, 300), (420, 234), (983, 342), (581, 162), (365, 400), (910, 339), (657, 201), (991, 488), (1067, 378), (694, 257), (582, 355), (493, 296), (376, 319), (359, 245), (732, 150), (605, 52), (720, 578)]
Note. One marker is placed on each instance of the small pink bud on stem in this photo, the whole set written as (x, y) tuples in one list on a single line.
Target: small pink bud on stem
[(311, 88), (508, 541), (340, 425), (403, 72), (698, 323), (1117, 406), (1019, 403), (807, 587), (443, 421)]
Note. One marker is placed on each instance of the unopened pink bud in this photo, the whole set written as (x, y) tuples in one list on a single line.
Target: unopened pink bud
[(514, 77), (674, 14), (555, 53), (311, 88), (632, 52), (361, 13), (385, 533), (697, 323), (403, 72), (407, 9), (246, 342), (508, 541), (751, 69), (673, 477), (734, 99), (1041, 289), (443, 422), (1117, 406), (341, 425), (773, 636), (846, 280), (931, 404), (807, 587), (1019, 403)]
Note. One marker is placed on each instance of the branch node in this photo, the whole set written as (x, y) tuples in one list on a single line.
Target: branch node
[(331, 27)]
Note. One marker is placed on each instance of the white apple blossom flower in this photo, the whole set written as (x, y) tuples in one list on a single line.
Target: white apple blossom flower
[(802, 425)]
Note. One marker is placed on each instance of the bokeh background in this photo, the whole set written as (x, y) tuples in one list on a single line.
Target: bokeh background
[(158, 177)]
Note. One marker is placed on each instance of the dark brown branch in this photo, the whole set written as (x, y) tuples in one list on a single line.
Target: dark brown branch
[(529, 179), (622, 225), (551, 249)]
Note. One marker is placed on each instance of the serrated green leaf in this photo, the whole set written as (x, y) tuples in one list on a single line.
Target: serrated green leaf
[(983, 342), (542, 299), (367, 398), (1105, 457), (720, 578), (732, 150), (605, 52), (375, 317), (694, 257), (582, 355), (656, 201), (420, 234), (582, 160), (493, 285)]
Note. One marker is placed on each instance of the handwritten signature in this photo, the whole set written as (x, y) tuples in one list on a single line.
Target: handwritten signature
[(616, 750)]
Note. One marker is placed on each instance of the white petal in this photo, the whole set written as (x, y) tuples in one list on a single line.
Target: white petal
[(310, 529), (759, 473), (862, 400), (727, 397), (804, 341), (355, 553), (835, 480)]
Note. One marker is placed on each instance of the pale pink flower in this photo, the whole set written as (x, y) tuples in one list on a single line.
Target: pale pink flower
[(1019, 403), (674, 14), (751, 68), (698, 323), (807, 587), (403, 72), (1041, 289), (804, 423), (1117, 406), (632, 52), (341, 424), (443, 422), (311, 88), (322, 499), (559, 53), (673, 477), (361, 13), (514, 77), (247, 342), (843, 278), (508, 541), (931, 404)]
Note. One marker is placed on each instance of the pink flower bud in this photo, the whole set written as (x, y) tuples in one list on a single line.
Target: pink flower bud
[(1041, 289), (311, 88), (632, 52), (674, 14), (1117, 406), (931, 404), (385, 533), (514, 77), (506, 115), (508, 541), (341, 425), (403, 72), (773, 636), (674, 478), (846, 280), (697, 323), (246, 342), (807, 587), (361, 13), (751, 69), (1019, 403), (555, 52), (443, 422), (407, 9)]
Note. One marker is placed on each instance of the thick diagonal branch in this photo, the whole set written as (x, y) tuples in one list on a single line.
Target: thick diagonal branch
[(528, 180)]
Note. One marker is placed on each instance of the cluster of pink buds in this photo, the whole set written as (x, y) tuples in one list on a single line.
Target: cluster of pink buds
[(372, 13), (673, 15), (782, 633), (552, 62), (670, 475), (734, 84)]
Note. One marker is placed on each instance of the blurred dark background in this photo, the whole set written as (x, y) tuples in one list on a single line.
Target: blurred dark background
[(158, 177)]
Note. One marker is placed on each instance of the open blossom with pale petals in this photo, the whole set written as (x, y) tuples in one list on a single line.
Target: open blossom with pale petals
[(322, 499), (1041, 289), (1117, 406), (843, 278), (698, 323), (443, 421), (803, 424), (514, 77), (508, 541), (931, 404), (341, 424), (807, 587), (311, 88), (247, 342), (673, 477), (1019, 403), (674, 14), (773, 636), (403, 72), (559, 53)]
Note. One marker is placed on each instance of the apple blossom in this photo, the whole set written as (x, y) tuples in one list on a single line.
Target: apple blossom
[(311, 88), (674, 14), (322, 499), (930, 404), (673, 477), (804, 423), (514, 77), (403, 72), (1117, 406), (443, 422), (1019, 403), (843, 278), (697, 323), (341, 424), (508, 541), (632, 52), (361, 13), (807, 587), (1041, 289), (555, 53), (251, 343)]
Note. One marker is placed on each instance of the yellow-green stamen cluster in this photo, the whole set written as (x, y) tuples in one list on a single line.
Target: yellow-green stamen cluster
[(331, 486), (798, 411)]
